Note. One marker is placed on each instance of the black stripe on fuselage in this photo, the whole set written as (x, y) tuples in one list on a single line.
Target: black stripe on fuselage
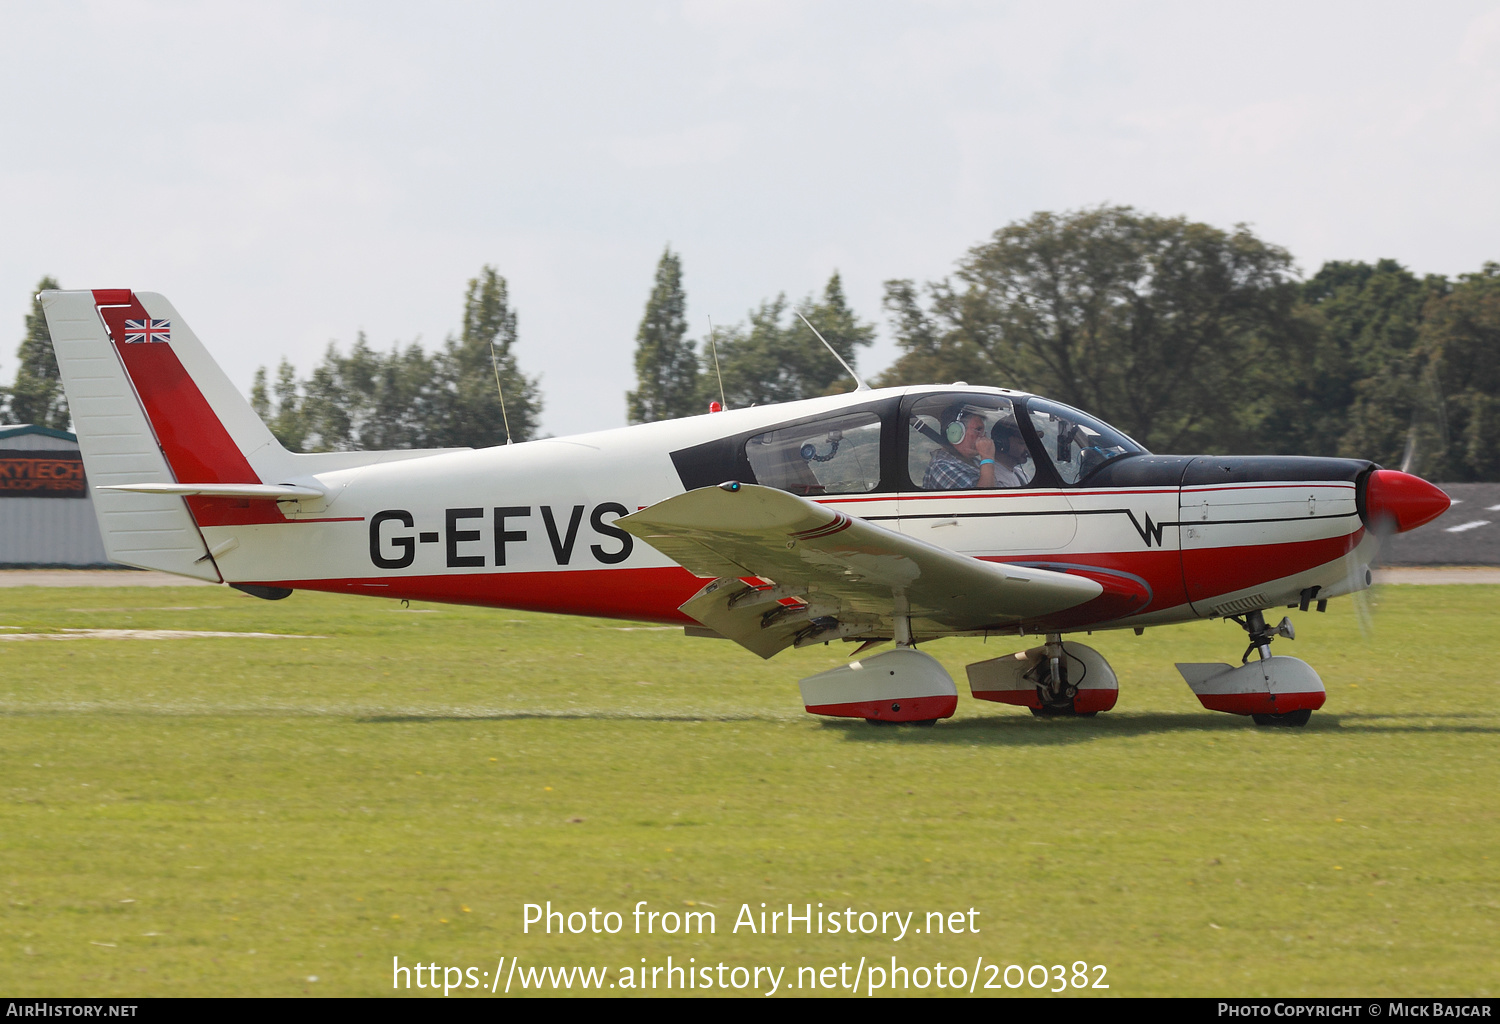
[(1149, 533)]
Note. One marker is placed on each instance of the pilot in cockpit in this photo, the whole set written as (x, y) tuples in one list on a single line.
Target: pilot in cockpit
[(968, 460), (975, 457)]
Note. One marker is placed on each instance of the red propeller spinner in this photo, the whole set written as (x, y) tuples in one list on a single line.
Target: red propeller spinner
[(1398, 502)]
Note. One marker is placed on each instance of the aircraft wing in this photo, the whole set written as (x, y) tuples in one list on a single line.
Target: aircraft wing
[(789, 571)]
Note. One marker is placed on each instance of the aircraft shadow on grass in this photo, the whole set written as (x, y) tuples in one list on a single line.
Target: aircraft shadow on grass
[(575, 716), (1018, 731), (1011, 730)]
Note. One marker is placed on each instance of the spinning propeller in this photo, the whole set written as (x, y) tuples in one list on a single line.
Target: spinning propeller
[(1390, 509), (1392, 501)]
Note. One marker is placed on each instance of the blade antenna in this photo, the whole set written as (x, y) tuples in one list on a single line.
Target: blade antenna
[(723, 402), (862, 385), (495, 362)]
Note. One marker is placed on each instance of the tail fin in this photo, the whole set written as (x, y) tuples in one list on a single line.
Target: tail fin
[(151, 406), (206, 429)]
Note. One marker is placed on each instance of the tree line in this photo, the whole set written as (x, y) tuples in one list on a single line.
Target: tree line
[(771, 357), (1189, 337), (406, 398)]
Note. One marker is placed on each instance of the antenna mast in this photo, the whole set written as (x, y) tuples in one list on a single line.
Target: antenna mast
[(495, 362), (723, 402), (862, 385)]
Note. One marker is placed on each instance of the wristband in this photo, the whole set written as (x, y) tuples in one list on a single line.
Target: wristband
[(986, 462)]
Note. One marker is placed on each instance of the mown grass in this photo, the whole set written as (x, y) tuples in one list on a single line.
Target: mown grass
[(235, 816)]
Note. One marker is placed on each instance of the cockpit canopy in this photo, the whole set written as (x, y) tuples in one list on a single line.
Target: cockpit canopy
[(951, 440)]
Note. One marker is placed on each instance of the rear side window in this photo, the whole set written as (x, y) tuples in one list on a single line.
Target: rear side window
[(835, 455)]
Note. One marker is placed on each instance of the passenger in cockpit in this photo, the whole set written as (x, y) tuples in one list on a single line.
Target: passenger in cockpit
[(1011, 456)]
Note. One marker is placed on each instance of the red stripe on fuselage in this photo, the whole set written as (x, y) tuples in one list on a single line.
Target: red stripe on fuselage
[(1209, 572), (652, 595), (655, 594)]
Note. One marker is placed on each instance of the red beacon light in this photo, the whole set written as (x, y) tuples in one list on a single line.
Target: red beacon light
[(714, 406)]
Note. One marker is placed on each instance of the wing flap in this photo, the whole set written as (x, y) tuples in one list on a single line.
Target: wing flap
[(693, 556)]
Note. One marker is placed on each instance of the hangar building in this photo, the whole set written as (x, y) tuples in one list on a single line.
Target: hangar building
[(46, 514)]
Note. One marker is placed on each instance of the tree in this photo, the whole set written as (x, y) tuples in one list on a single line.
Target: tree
[(467, 409), (285, 420), (838, 325), (929, 354), (368, 400), (37, 396), (1460, 339), (768, 361), (1161, 326), (666, 367), (1356, 386)]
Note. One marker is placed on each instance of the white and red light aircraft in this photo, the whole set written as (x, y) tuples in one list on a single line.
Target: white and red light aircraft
[(899, 515)]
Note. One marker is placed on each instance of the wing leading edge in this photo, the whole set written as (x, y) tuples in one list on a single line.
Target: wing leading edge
[(829, 575)]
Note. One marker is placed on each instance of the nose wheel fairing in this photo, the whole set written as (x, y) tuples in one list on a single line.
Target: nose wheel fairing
[(1270, 686)]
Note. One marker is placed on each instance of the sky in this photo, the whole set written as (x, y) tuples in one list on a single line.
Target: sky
[(291, 174)]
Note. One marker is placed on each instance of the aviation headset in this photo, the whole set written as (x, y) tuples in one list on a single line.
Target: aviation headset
[(953, 420)]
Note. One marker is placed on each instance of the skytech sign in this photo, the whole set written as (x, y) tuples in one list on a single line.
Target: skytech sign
[(41, 474)]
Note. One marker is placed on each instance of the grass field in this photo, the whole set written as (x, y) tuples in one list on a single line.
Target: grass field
[(237, 815)]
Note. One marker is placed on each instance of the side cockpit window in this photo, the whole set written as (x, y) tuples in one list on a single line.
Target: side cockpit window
[(838, 454), (967, 442), (1076, 443)]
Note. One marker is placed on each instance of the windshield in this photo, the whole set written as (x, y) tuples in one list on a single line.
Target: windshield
[(1076, 442)]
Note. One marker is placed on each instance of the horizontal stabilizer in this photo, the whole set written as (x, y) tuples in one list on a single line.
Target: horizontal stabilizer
[(260, 492)]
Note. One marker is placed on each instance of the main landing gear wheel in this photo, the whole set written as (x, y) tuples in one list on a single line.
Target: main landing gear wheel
[(1056, 692), (1289, 718), (1055, 680)]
